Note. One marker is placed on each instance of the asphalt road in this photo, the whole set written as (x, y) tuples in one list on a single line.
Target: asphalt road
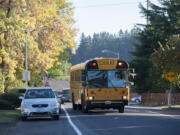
[(135, 121)]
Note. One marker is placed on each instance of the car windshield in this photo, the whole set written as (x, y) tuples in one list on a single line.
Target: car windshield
[(39, 93), (107, 79)]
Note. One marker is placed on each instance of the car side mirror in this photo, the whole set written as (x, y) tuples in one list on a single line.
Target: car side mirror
[(21, 97)]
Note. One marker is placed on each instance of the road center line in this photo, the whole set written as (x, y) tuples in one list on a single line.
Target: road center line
[(71, 123)]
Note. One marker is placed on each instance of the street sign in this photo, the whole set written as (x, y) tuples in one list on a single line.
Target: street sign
[(26, 75), (171, 76)]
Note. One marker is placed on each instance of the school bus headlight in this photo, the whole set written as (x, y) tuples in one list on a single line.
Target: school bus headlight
[(90, 98), (124, 97)]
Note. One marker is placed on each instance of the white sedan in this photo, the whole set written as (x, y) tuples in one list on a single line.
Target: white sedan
[(39, 102)]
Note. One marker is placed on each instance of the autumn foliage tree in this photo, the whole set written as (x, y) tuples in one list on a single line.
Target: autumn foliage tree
[(167, 57), (163, 24), (50, 33)]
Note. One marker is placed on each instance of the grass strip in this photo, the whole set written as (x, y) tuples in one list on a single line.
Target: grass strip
[(9, 116)]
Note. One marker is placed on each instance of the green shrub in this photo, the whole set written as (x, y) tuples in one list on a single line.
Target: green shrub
[(4, 104), (12, 98)]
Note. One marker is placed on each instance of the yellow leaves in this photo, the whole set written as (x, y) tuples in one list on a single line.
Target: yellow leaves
[(48, 36), (161, 46), (23, 3), (2, 25), (2, 38)]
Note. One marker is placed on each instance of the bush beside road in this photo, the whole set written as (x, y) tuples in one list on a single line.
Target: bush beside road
[(9, 100)]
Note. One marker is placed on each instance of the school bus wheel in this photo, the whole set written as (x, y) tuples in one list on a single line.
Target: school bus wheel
[(121, 109), (84, 106), (73, 104)]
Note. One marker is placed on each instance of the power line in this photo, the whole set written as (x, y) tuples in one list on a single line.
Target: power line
[(108, 5)]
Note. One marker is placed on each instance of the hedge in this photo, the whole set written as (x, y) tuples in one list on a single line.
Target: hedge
[(9, 101)]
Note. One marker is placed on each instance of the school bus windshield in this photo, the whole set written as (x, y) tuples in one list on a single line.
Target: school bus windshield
[(107, 79)]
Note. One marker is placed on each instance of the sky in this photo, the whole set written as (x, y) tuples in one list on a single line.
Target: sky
[(95, 16)]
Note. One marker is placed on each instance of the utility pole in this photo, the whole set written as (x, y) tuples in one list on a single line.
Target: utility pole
[(147, 19), (169, 95), (26, 61)]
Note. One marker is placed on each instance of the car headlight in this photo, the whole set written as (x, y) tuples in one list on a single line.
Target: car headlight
[(54, 104), (25, 104)]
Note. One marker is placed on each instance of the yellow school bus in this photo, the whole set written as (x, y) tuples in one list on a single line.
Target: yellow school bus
[(100, 83)]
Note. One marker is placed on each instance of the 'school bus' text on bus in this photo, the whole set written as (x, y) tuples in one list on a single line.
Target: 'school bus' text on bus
[(100, 83)]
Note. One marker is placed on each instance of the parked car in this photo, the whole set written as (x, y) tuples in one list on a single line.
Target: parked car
[(62, 98), (136, 99), (65, 95), (39, 102), (58, 98)]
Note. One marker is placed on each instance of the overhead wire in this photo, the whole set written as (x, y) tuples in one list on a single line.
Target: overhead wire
[(108, 5), (115, 4)]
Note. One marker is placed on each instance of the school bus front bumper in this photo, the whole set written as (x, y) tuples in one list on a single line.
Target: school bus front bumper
[(106, 104)]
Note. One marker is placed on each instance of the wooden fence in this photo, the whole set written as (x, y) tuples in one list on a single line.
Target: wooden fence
[(160, 98)]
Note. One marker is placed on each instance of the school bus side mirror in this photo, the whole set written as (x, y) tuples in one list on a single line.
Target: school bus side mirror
[(131, 83), (132, 73)]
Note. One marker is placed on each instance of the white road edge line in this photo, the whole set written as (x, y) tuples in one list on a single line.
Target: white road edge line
[(71, 123), (165, 115)]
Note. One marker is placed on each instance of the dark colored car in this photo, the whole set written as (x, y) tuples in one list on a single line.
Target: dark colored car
[(65, 95)]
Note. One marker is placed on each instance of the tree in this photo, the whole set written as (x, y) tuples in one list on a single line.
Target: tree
[(167, 57), (51, 32), (91, 46), (163, 23)]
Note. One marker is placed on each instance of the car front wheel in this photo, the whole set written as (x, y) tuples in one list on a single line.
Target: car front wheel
[(56, 117)]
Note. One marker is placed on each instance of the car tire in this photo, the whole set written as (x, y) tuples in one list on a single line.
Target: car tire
[(62, 102), (60, 110), (23, 118), (56, 117)]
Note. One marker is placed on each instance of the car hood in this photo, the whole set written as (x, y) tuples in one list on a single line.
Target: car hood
[(40, 100)]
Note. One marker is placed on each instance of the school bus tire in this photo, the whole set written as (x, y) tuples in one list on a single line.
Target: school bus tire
[(84, 106), (79, 106), (73, 103), (121, 109)]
